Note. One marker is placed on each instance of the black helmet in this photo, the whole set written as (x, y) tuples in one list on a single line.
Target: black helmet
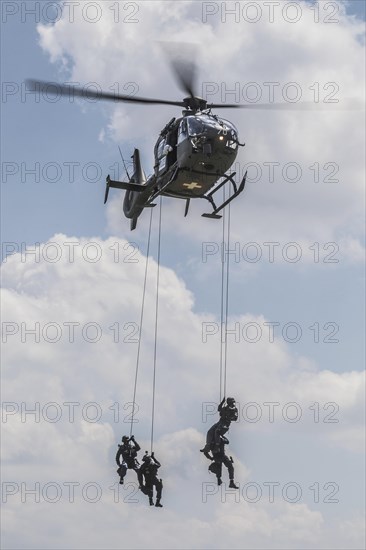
[(230, 401), (125, 438)]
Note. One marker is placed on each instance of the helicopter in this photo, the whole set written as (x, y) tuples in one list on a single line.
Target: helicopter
[(193, 153)]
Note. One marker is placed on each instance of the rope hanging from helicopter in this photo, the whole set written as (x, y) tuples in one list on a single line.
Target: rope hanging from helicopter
[(224, 297), (141, 322), (156, 328)]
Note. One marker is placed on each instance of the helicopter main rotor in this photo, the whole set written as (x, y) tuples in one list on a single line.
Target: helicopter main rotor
[(181, 57)]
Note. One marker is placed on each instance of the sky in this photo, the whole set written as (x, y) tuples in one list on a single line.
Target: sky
[(73, 274)]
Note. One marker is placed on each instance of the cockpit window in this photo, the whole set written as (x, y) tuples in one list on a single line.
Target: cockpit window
[(195, 126), (182, 130), (198, 124), (182, 127)]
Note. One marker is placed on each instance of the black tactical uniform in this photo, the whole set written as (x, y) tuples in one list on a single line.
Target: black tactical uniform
[(220, 458), (228, 413), (128, 452), (211, 437), (148, 473)]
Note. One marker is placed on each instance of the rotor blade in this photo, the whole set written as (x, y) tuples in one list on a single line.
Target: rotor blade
[(181, 56), (52, 88), (345, 105)]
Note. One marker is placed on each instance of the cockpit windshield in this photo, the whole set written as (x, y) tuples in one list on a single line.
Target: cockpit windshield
[(195, 125), (198, 124)]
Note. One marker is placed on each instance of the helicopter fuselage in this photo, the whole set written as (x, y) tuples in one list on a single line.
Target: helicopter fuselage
[(192, 154), (199, 148)]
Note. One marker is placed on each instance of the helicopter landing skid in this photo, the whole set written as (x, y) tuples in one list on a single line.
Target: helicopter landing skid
[(237, 191), (212, 215)]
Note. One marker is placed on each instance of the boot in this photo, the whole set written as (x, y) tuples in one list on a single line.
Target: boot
[(121, 481), (158, 505), (232, 484), (219, 482), (151, 502)]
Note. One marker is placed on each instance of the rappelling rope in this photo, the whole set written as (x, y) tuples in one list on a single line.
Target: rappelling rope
[(225, 247), (156, 327), (222, 295), (141, 322), (227, 294)]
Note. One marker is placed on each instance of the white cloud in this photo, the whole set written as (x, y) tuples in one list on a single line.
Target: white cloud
[(187, 374), (322, 58), (100, 297)]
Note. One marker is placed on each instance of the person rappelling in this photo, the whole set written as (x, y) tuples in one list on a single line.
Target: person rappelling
[(228, 413), (148, 479), (213, 437), (126, 456), (210, 438), (219, 457)]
